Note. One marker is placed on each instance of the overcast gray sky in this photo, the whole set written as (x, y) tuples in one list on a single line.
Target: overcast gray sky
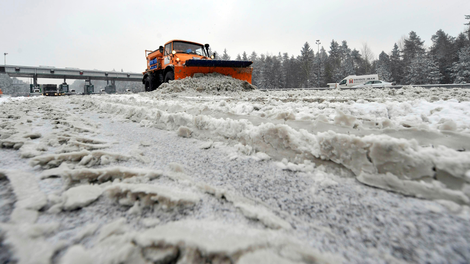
[(108, 35)]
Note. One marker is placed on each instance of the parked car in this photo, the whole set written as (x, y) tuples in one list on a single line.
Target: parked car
[(374, 84)]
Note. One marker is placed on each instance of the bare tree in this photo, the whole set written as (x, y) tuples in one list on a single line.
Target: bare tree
[(368, 57)]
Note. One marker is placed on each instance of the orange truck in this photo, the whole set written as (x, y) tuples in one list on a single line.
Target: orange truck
[(179, 59)]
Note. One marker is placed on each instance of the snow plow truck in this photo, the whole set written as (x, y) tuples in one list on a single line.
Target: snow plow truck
[(179, 59)]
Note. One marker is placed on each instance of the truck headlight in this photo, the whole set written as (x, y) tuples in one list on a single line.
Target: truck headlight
[(178, 59), (173, 52)]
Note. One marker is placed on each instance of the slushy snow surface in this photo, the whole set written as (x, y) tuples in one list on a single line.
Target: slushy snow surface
[(212, 170)]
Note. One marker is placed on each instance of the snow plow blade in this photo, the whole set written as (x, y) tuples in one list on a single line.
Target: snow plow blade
[(218, 63), (236, 69)]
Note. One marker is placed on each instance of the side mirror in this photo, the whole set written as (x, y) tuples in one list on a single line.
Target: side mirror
[(160, 49), (206, 45), (214, 55)]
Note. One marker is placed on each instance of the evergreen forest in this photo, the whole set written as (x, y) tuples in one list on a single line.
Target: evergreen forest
[(446, 61)]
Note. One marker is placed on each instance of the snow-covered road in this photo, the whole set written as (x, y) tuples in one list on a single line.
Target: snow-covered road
[(209, 170)]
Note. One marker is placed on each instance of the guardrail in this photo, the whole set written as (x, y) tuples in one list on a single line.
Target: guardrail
[(448, 86)]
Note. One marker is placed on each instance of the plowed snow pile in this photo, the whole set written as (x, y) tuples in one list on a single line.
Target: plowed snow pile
[(212, 170), (212, 83)]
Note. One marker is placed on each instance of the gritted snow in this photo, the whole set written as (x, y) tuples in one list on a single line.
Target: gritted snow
[(213, 170)]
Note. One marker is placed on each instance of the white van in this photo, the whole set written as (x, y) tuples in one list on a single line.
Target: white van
[(353, 80)]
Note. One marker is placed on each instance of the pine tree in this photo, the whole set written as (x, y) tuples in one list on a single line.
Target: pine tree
[(358, 62), (423, 70), (347, 62), (244, 56), (333, 63), (443, 51), (396, 65), (468, 24), (345, 51), (306, 64), (319, 68), (384, 67), (225, 56), (413, 47), (323, 61), (262, 72), (277, 72), (272, 72), (268, 74), (256, 69), (460, 42), (293, 79), (238, 57), (461, 68), (286, 79)]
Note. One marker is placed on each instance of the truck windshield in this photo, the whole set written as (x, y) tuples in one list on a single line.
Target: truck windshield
[(189, 48)]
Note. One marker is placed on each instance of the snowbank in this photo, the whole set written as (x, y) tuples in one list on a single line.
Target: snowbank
[(212, 170), (423, 170), (212, 83)]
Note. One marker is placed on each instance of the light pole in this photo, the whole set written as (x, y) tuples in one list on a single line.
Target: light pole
[(318, 54), (5, 58)]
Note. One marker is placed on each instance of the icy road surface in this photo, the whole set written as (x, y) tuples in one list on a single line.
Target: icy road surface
[(210, 170)]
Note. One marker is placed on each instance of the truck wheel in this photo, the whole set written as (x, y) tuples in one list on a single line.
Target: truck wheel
[(147, 84), (159, 80), (151, 83), (169, 76)]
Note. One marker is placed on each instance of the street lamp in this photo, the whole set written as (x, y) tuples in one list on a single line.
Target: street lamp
[(318, 54), (5, 58)]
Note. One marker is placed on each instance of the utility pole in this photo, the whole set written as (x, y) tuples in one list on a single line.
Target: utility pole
[(318, 54), (5, 58)]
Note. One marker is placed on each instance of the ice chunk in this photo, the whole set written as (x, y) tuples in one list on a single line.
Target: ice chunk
[(344, 119), (29, 197), (84, 158), (249, 208), (76, 254), (116, 248), (100, 175), (117, 227), (433, 190), (262, 156), (262, 214), (88, 230), (28, 244), (184, 132), (210, 239), (150, 194), (264, 256), (448, 125), (150, 222), (159, 254), (136, 209), (81, 196)]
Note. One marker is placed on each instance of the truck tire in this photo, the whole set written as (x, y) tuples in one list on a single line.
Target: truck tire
[(158, 80), (169, 76), (147, 84), (151, 80), (154, 80)]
